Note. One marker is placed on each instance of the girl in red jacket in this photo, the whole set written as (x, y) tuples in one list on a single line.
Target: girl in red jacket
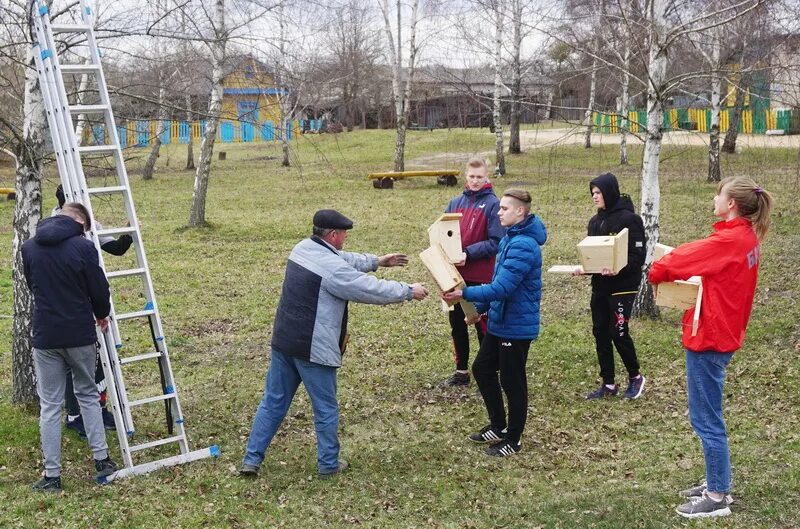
[(728, 262)]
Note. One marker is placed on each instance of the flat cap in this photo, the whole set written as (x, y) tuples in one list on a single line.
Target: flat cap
[(330, 219)]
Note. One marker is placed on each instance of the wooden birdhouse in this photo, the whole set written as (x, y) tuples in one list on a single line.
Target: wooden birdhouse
[(444, 273), (683, 295), (660, 251), (604, 251), (446, 231)]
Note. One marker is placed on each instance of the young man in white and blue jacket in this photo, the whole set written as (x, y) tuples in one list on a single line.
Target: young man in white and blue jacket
[(309, 335), (512, 302)]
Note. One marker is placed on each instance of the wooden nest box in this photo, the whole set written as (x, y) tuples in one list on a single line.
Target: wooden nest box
[(444, 273), (683, 295), (446, 232), (604, 251)]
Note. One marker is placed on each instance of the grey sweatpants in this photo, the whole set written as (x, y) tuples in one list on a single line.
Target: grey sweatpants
[(51, 370)]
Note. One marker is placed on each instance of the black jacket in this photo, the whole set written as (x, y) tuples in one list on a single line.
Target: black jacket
[(618, 214), (69, 288)]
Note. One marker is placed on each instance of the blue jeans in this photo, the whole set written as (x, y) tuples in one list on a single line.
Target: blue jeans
[(705, 381), (283, 378)]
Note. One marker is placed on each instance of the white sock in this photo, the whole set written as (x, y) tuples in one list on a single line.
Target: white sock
[(611, 386)]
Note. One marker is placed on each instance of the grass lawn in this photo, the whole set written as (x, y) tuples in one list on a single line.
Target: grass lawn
[(584, 464)]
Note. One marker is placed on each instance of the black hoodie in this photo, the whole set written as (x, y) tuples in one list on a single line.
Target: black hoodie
[(69, 288), (618, 214)]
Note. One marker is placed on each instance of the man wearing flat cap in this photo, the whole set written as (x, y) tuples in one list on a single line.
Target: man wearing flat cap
[(309, 334)]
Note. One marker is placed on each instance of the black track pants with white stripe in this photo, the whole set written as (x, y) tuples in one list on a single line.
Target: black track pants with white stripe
[(500, 363)]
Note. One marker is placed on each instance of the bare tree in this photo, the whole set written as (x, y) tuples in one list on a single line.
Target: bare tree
[(217, 45), (401, 92), (498, 11)]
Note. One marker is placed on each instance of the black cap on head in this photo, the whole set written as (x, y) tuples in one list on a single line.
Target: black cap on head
[(330, 219)]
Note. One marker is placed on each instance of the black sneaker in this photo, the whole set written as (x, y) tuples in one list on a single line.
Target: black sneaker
[(488, 435), (635, 388), (46, 484), (704, 507), (343, 467), (106, 470), (248, 470), (108, 420), (503, 449), (603, 392), (76, 425), (456, 380)]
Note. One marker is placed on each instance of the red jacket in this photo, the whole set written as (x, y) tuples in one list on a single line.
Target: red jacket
[(728, 263), (481, 231)]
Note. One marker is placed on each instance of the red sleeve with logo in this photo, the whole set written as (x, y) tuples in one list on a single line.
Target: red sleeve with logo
[(728, 263)]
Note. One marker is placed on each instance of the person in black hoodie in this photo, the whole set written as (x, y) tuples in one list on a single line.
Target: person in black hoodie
[(613, 294), (70, 294), (74, 421)]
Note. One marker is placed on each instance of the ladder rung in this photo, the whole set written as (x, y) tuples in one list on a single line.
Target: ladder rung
[(79, 69), (70, 28), (115, 231), (132, 315), (89, 109), (106, 190), (148, 400), (160, 442), (97, 149), (125, 273), (138, 358)]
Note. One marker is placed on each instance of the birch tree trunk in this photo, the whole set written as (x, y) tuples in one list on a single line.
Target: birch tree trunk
[(150, 164), (622, 120), (500, 162), (548, 113), (286, 123), (190, 145), (587, 142), (651, 192), (401, 94), (197, 214), (80, 98), (714, 172), (27, 212), (514, 146), (732, 134)]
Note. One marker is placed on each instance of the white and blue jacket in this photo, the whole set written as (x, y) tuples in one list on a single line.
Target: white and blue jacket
[(311, 321)]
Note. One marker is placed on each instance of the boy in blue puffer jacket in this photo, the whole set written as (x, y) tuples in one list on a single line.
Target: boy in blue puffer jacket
[(512, 301)]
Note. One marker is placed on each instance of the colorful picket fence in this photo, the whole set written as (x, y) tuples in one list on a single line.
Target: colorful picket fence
[(699, 119), (139, 133)]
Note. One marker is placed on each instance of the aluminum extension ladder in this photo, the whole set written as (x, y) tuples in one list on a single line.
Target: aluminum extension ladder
[(68, 152)]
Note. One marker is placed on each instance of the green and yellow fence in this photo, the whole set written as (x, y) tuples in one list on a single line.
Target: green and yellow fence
[(699, 119)]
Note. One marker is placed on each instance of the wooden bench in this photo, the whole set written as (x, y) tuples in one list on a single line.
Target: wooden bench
[(9, 192), (386, 180)]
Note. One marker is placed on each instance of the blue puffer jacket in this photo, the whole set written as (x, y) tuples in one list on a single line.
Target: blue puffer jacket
[(512, 298)]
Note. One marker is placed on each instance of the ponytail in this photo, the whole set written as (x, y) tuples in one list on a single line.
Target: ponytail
[(752, 201)]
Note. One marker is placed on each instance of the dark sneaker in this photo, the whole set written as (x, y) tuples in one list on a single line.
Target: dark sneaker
[(76, 425), (48, 485), (698, 490), (248, 470), (456, 380), (343, 467), (635, 388), (488, 435), (106, 470), (108, 420), (704, 507), (503, 449), (603, 392)]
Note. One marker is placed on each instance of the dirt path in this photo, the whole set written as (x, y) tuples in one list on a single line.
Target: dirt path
[(548, 138)]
